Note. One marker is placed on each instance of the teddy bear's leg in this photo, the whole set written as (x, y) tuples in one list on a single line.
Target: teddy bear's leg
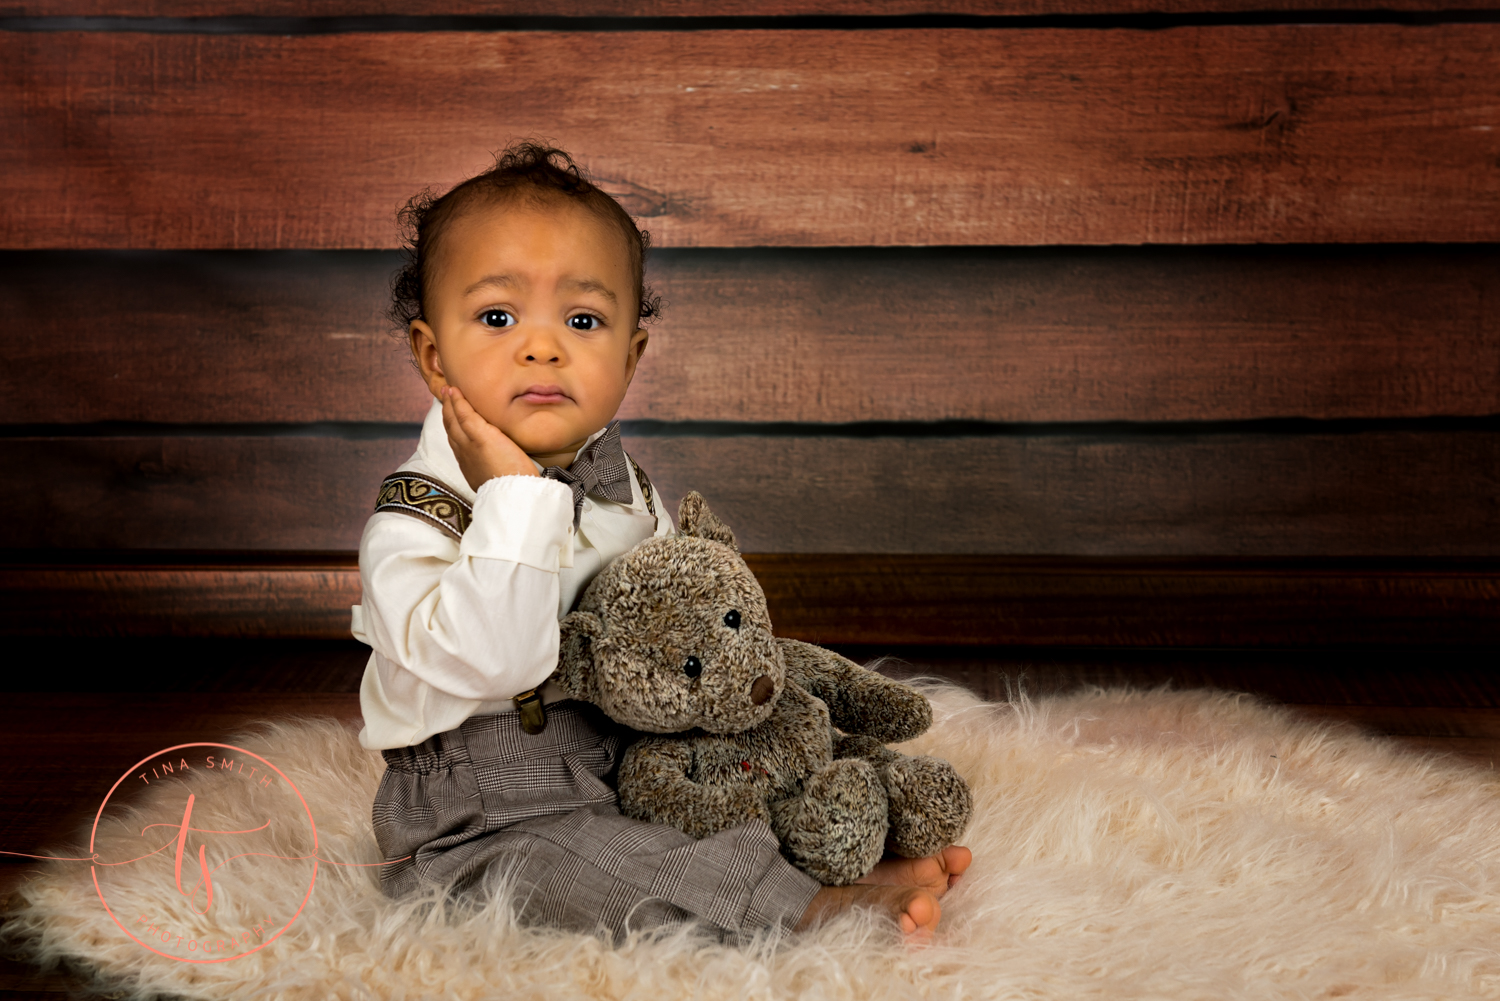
[(930, 803), (835, 830)]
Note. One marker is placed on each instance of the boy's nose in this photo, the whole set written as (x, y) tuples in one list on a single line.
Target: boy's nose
[(541, 345)]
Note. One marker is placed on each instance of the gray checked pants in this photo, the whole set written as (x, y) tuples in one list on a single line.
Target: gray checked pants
[(488, 798)]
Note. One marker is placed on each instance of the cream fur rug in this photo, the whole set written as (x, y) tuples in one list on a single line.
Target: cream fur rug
[(1127, 845)]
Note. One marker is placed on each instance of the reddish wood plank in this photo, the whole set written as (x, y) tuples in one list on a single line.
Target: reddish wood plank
[(676, 8), (826, 335), (739, 138), (1377, 493), (863, 599)]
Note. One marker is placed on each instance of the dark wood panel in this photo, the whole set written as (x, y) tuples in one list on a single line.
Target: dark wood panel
[(196, 493), (287, 598), (1363, 676), (1389, 492), (679, 8), (1376, 493), (1046, 334), (872, 600), (1314, 133), (1049, 602), (238, 337)]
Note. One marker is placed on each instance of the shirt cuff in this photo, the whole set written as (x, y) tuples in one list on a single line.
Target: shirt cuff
[(523, 519)]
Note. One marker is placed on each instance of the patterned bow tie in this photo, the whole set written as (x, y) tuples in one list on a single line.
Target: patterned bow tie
[(599, 469)]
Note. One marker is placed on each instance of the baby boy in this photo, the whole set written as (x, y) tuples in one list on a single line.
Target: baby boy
[(523, 298)]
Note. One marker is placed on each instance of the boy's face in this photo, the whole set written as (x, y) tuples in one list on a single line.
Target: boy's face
[(532, 315)]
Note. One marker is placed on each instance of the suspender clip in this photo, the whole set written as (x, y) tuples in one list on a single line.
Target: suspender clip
[(533, 715)]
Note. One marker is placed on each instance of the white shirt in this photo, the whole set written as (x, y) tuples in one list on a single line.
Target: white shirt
[(460, 627)]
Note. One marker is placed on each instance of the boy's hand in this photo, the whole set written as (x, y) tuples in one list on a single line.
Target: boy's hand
[(483, 450)]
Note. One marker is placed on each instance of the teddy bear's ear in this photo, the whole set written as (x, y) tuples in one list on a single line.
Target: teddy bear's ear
[(694, 518), (575, 659)]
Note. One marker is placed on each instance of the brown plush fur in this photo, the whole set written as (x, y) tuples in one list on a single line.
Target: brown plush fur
[(674, 638)]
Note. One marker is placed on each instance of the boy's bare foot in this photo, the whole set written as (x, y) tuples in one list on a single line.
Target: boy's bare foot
[(916, 909), (936, 874)]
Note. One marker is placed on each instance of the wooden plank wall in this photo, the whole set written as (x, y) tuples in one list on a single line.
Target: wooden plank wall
[(1165, 301)]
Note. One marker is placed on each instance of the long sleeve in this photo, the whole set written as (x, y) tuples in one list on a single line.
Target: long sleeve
[(459, 625), (483, 625)]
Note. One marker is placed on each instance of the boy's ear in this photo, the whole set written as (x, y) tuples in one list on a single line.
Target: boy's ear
[(634, 351), (424, 355), (694, 518), (575, 672)]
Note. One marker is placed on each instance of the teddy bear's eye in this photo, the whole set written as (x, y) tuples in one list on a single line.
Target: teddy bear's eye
[(693, 667), (732, 619)]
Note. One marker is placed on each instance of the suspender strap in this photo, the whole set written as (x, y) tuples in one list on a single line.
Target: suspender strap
[(433, 501), (427, 499), (646, 491)]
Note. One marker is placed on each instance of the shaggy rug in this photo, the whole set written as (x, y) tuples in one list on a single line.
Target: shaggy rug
[(1127, 844)]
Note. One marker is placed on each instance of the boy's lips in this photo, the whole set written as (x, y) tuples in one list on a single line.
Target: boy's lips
[(542, 394)]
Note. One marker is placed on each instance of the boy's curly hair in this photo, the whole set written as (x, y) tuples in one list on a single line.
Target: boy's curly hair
[(521, 166)]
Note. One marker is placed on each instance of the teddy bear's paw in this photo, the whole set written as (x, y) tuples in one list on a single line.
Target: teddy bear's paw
[(884, 709), (835, 830), (859, 700), (930, 805)]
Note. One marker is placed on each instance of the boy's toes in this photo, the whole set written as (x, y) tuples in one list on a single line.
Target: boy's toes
[(955, 860), (935, 873), (920, 913)]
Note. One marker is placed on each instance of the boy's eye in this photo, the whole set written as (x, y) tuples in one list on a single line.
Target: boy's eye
[(584, 321), (497, 318)]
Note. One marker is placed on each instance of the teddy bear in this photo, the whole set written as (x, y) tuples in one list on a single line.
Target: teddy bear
[(673, 639)]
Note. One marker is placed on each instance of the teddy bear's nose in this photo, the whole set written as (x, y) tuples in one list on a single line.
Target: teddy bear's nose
[(762, 690)]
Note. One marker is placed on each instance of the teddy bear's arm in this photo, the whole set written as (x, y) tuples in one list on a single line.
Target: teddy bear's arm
[(654, 786), (859, 701)]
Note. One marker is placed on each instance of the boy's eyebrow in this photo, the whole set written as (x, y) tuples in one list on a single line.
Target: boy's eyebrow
[(589, 285), (495, 281), (514, 281)]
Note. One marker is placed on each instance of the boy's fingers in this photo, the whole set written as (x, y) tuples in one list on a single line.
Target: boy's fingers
[(451, 422), (466, 414), (473, 423)]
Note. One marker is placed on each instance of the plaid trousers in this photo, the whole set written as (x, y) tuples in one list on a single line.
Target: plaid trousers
[(488, 798)]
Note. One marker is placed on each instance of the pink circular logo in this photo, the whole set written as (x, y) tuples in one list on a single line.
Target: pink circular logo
[(187, 893)]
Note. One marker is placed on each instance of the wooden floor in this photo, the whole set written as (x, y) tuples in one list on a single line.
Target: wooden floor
[(77, 713)]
